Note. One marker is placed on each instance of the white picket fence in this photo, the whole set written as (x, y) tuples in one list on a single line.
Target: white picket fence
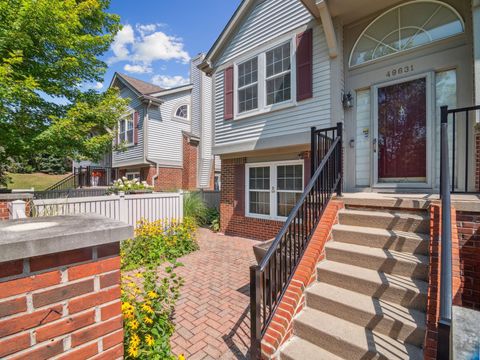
[(127, 208)]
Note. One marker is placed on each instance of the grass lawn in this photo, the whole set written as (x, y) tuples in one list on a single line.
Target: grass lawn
[(39, 181)]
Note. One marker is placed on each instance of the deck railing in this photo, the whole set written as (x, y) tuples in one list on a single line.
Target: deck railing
[(270, 279)]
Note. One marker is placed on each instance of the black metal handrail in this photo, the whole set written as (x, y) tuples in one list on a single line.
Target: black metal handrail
[(456, 117), (69, 182), (444, 322), (269, 280)]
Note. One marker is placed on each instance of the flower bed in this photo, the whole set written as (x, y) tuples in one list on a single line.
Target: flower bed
[(134, 186), (148, 299)]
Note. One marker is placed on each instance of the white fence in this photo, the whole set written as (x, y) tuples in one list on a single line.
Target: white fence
[(127, 208)]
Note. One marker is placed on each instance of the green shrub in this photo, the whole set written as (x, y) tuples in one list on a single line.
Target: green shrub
[(194, 207), (213, 219), (156, 242)]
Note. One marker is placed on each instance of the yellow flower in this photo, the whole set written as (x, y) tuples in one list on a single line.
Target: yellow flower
[(133, 324), (138, 275), (152, 295), (149, 340), (181, 357), (147, 320), (147, 309), (133, 351), (135, 340)]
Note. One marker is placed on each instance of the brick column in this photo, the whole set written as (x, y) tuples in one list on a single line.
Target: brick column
[(60, 294), (477, 157), (6, 198)]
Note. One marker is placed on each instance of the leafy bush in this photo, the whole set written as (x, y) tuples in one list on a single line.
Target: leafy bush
[(194, 207), (156, 242), (147, 307), (213, 219)]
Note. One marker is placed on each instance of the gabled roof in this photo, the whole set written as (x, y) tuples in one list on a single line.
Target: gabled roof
[(231, 26), (140, 86)]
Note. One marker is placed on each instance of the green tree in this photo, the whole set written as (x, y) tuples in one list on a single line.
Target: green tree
[(48, 49)]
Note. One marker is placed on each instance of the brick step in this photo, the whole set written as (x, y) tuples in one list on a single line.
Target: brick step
[(393, 288), (387, 261), (378, 315), (381, 238), (387, 220), (348, 340), (299, 349)]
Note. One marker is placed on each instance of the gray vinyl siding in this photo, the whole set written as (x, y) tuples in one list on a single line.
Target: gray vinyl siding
[(287, 122), (266, 20), (165, 144), (133, 153)]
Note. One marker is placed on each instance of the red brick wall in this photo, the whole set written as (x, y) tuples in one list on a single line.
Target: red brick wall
[(169, 179), (190, 164), (468, 260), (281, 326), (232, 205), (64, 304), (4, 215)]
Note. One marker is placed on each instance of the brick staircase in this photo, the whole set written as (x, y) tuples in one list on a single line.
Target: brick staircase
[(370, 297)]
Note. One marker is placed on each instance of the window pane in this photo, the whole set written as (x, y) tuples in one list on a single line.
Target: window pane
[(279, 89), (182, 112), (259, 178), (290, 177), (286, 202), (248, 98), (130, 124), (259, 203), (130, 136), (122, 126), (278, 60)]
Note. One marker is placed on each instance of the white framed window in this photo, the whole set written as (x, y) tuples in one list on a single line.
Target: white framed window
[(265, 81), (273, 189), (125, 130), (182, 112), (133, 175)]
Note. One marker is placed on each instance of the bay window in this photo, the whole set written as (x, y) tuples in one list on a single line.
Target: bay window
[(273, 189)]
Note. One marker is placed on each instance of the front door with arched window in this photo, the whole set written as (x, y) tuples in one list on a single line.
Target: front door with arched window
[(401, 64)]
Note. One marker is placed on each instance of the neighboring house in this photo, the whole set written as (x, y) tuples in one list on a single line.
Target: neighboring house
[(281, 67), (166, 134)]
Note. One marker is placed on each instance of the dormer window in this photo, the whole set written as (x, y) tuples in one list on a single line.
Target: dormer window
[(182, 112)]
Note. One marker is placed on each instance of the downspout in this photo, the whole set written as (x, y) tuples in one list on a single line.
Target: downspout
[(145, 145)]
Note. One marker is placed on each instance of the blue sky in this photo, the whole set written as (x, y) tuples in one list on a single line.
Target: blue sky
[(160, 36)]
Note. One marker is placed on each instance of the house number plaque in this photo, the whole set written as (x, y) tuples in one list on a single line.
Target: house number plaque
[(399, 71)]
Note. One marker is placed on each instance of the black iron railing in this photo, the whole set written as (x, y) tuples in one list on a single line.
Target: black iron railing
[(270, 279), (445, 320), (69, 182), (461, 175), (93, 176)]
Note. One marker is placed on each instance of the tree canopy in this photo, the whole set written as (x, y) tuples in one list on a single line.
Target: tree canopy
[(49, 50)]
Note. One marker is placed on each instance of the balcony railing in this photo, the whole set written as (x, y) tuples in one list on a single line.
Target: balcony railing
[(269, 280)]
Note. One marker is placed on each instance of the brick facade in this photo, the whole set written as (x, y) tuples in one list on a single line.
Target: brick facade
[(64, 305), (7, 198), (281, 326), (4, 215), (232, 203), (477, 158), (190, 163)]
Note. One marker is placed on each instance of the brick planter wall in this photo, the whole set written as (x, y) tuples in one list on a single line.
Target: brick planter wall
[(65, 303), (281, 326), (60, 288), (477, 158), (6, 198)]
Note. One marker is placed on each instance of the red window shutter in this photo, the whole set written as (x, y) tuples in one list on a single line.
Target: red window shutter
[(135, 128), (228, 93), (304, 65), (239, 192)]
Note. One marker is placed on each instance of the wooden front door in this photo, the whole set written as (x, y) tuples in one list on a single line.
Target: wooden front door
[(402, 132)]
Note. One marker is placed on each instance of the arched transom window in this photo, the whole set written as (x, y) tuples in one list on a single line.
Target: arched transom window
[(182, 112), (404, 27)]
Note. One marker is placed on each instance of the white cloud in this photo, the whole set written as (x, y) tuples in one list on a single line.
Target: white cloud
[(167, 82), (123, 38), (137, 69), (98, 86), (146, 45)]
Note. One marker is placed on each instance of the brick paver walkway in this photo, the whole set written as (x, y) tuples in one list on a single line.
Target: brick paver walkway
[(212, 316)]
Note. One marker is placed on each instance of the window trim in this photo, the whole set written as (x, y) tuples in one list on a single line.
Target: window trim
[(178, 118), (273, 182), (127, 118), (262, 79)]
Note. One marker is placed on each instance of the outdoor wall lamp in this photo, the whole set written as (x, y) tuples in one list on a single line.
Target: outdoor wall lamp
[(347, 100)]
